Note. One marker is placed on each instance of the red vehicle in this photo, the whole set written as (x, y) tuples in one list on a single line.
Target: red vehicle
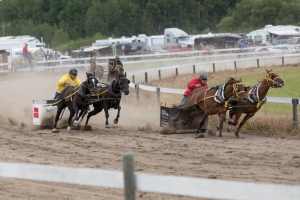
[(177, 48)]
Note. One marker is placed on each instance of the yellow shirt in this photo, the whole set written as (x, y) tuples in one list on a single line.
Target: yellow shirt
[(66, 80)]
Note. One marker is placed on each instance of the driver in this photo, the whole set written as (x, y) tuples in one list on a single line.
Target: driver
[(26, 53), (66, 80), (200, 82)]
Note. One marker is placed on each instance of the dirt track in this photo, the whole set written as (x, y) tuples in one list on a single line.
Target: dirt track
[(255, 159)]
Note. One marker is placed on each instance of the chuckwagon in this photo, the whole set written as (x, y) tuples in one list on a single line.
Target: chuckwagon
[(169, 110)]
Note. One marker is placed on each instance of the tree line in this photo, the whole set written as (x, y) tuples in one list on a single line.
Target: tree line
[(73, 23)]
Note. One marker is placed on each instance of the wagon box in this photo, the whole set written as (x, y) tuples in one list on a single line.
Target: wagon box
[(42, 110)]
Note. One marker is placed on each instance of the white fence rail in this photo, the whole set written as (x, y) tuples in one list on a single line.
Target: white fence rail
[(130, 181)]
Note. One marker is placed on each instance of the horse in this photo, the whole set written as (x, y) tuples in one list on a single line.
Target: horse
[(20, 59), (257, 97), (76, 99), (212, 101), (109, 97), (97, 69), (113, 70)]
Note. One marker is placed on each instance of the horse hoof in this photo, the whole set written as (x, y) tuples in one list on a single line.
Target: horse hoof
[(87, 128), (75, 124), (174, 119), (107, 126), (239, 137), (55, 131), (68, 129), (229, 128), (182, 122), (199, 135), (115, 121)]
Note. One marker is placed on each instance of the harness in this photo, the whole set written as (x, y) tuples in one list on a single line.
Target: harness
[(219, 96)]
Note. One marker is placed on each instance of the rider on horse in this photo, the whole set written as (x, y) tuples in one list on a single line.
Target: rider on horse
[(65, 81), (200, 82), (118, 61), (26, 53)]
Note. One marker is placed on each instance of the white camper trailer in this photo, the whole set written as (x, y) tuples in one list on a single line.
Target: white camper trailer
[(270, 33)]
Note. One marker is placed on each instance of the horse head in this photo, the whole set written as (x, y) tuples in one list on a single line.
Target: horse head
[(236, 89), (123, 83), (273, 80), (111, 63), (91, 82)]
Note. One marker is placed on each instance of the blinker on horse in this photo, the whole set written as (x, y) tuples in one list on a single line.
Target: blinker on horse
[(76, 99), (213, 101), (113, 70)]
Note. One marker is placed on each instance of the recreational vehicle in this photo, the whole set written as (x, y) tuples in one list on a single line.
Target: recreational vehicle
[(270, 33)]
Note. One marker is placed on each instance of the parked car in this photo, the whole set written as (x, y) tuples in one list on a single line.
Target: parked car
[(177, 48), (158, 50), (283, 49)]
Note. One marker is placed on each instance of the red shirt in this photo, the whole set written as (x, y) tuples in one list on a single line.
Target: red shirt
[(25, 49), (192, 85)]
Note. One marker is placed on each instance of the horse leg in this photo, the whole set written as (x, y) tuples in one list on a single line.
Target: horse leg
[(234, 116), (241, 124), (193, 114), (177, 116), (221, 121), (75, 108), (118, 115), (82, 114), (72, 113), (105, 107), (201, 135), (96, 110), (59, 110)]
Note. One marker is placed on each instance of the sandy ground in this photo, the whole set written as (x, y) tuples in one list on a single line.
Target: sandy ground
[(253, 159)]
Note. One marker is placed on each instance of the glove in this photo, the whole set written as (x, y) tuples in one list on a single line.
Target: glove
[(68, 83)]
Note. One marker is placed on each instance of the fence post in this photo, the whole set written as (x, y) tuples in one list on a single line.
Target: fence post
[(295, 113), (214, 68), (146, 77), (159, 75), (158, 96), (257, 63), (137, 91), (129, 178), (194, 70), (176, 71), (235, 65), (133, 79), (282, 61)]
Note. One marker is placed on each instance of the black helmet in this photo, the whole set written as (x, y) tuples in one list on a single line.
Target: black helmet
[(117, 57), (73, 71), (203, 77)]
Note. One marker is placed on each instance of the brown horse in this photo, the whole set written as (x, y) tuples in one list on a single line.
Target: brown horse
[(19, 59), (257, 97), (97, 69), (213, 101), (113, 70)]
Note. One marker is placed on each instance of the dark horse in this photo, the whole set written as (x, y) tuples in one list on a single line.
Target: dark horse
[(212, 101), (257, 97), (113, 70), (76, 99), (109, 97)]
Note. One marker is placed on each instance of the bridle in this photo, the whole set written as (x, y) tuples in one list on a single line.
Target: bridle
[(235, 92), (269, 79)]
